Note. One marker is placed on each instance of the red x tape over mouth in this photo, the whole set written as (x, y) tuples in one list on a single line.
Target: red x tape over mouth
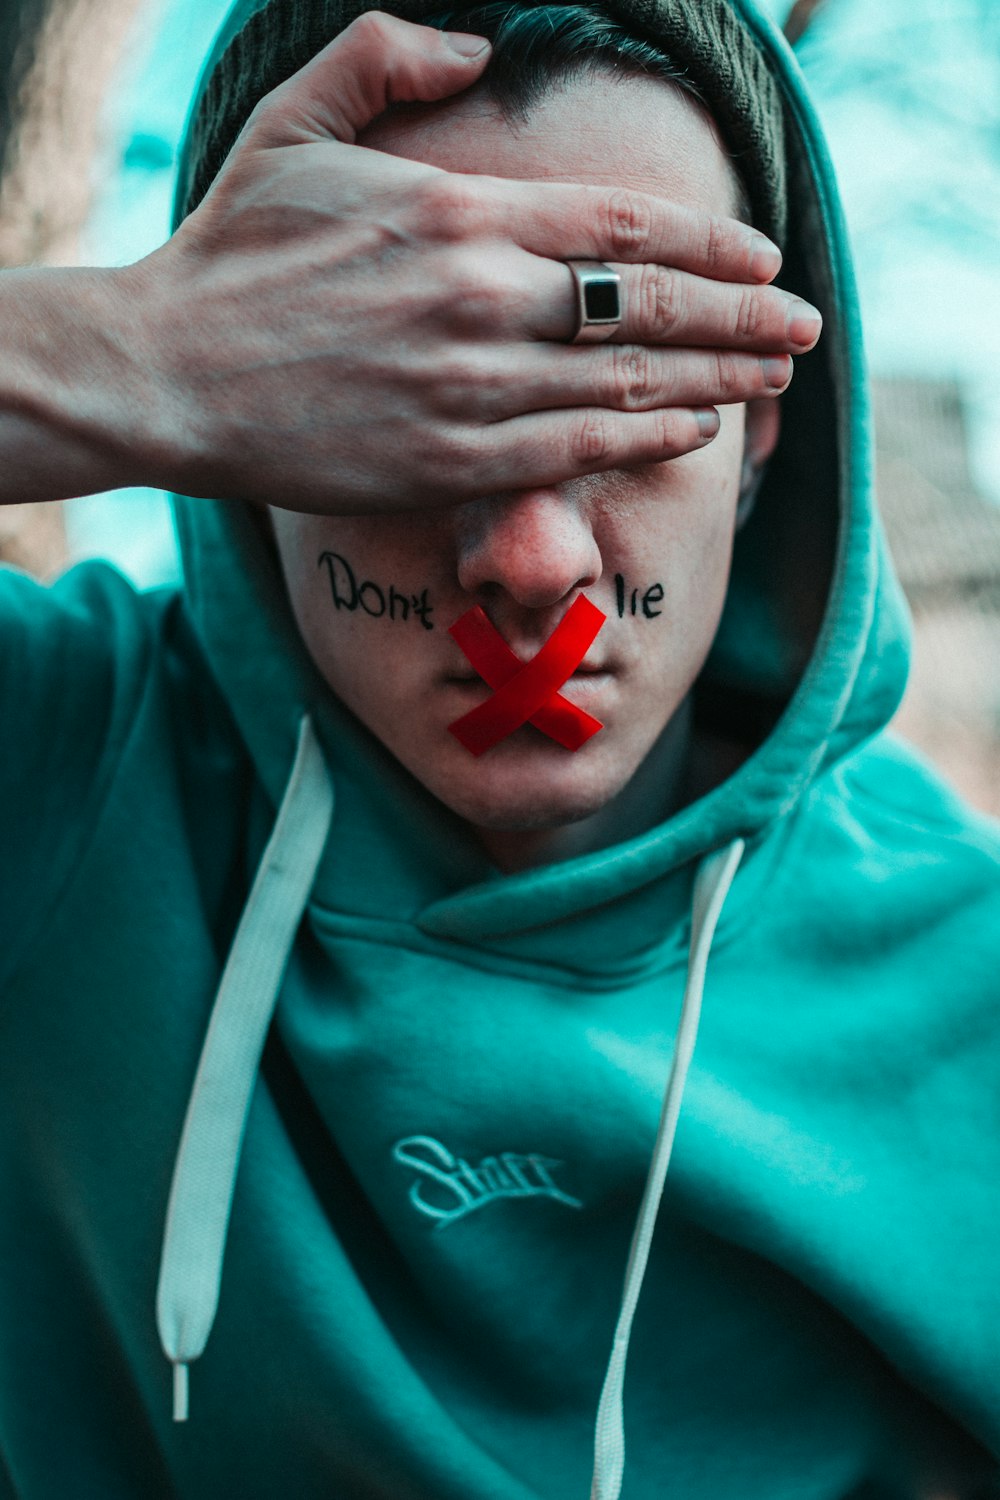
[(527, 692)]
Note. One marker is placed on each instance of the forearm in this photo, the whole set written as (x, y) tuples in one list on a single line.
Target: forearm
[(76, 405)]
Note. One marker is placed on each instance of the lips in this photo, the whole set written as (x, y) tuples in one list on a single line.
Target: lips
[(596, 669), (589, 666)]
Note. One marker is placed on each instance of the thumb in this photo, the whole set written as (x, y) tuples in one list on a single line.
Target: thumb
[(376, 61)]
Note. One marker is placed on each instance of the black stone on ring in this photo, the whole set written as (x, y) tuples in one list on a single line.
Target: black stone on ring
[(598, 301)]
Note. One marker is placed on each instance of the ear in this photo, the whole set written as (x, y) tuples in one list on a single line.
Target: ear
[(762, 429)]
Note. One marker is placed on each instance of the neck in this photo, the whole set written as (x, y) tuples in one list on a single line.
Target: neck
[(656, 791)]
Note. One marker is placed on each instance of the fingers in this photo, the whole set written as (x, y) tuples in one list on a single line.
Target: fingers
[(548, 448), (635, 378), (489, 289), (567, 222), (500, 384), (504, 293), (376, 61), (666, 306)]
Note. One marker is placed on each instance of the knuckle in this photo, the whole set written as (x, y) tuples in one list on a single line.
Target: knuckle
[(473, 300), (629, 224), (728, 377), (374, 28), (450, 456), (633, 381), (660, 299), (261, 111), (259, 126), (591, 441), (716, 246), (666, 430), (445, 209), (464, 385), (749, 314)]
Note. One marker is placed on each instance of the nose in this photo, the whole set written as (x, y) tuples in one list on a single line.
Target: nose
[(537, 546)]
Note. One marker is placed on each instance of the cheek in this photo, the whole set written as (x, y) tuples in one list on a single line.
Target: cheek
[(672, 524), (366, 591)]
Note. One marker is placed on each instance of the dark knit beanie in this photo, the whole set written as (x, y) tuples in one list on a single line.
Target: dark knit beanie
[(705, 37)]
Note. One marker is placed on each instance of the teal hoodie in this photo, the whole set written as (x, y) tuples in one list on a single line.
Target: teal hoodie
[(302, 1097)]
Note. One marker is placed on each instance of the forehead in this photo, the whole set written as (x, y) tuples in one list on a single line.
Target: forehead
[(600, 129)]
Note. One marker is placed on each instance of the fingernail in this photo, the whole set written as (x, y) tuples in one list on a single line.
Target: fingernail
[(765, 259), (805, 323), (708, 422), (465, 44), (777, 371)]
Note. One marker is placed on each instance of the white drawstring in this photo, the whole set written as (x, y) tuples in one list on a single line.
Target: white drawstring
[(204, 1177), (201, 1194), (711, 888)]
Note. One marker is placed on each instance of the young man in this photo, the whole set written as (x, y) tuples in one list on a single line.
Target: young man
[(352, 961)]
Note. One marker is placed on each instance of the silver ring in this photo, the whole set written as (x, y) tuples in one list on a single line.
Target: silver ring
[(598, 301)]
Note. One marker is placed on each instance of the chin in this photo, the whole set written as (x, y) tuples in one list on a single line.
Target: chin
[(528, 786)]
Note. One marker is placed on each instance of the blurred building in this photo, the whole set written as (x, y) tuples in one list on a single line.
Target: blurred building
[(945, 539)]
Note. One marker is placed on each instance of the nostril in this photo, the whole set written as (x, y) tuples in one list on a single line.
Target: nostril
[(536, 546)]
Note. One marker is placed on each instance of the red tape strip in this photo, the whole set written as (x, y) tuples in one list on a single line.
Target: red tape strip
[(527, 692)]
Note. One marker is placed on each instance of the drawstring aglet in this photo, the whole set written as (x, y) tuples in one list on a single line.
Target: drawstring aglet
[(180, 1393)]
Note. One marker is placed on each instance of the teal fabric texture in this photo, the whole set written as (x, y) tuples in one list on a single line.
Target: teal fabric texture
[(423, 1223)]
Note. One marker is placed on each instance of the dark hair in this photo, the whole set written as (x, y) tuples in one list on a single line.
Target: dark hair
[(536, 46)]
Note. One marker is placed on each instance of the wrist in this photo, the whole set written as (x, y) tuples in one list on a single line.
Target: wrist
[(77, 408)]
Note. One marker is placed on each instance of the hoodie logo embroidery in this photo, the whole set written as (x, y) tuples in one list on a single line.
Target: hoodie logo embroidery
[(447, 1187)]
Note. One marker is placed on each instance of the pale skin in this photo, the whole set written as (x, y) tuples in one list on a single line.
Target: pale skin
[(525, 554)]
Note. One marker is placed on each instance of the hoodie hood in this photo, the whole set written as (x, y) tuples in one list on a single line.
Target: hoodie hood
[(809, 662)]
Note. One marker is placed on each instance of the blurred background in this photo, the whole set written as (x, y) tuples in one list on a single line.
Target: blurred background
[(93, 98)]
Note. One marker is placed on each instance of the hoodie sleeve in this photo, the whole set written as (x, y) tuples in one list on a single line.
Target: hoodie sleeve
[(73, 660)]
